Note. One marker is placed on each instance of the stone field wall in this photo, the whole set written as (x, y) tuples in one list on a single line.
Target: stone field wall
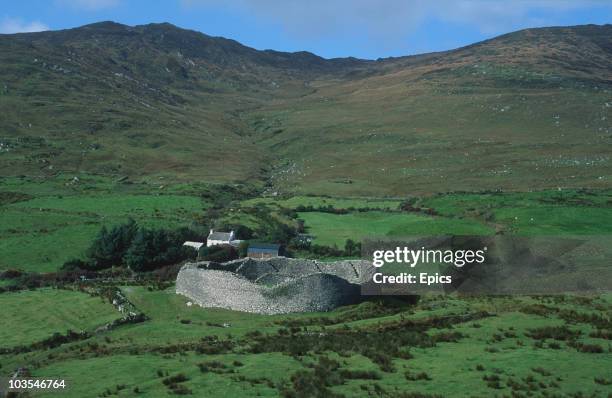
[(274, 286)]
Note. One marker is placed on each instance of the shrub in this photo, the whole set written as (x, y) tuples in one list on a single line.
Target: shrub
[(384, 361), (179, 389), (178, 378), (589, 348), (218, 253), (11, 274), (541, 371), (214, 367), (553, 332), (492, 381), (597, 321), (241, 231), (359, 374), (416, 376), (602, 334), (77, 265)]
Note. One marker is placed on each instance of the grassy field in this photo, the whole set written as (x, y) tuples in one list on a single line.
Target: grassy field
[(140, 371), (36, 215), (548, 212), (506, 351), (24, 313), (458, 346), (330, 229), (564, 212), (321, 201), (166, 311), (38, 233)]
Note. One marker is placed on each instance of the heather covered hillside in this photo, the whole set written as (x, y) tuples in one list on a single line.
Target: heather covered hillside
[(524, 109)]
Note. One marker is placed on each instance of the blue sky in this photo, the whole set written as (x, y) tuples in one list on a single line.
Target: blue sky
[(330, 28)]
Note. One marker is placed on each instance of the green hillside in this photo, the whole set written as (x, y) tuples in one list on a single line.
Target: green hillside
[(530, 108), (441, 347)]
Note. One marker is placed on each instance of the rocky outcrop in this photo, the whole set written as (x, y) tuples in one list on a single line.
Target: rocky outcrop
[(274, 286)]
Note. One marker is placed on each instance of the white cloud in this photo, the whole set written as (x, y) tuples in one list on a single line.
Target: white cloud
[(386, 18), (16, 25), (88, 5), (500, 16)]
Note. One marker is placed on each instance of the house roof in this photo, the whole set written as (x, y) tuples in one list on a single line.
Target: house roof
[(196, 245), (263, 247), (225, 236)]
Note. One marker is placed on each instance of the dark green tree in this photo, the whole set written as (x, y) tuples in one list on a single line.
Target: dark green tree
[(154, 248), (109, 246), (218, 253), (350, 247)]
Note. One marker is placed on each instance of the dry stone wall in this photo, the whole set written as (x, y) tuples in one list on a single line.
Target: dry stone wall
[(274, 286)]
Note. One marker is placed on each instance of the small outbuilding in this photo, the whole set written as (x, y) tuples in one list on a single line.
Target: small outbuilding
[(195, 245), (263, 250)]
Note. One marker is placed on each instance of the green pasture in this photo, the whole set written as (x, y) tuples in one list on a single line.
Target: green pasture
[(30, 316), (534, 213), (330, 229), (169, 314), (121, 373), (322, 201), (40, 233), (167, 309), (130, 361)]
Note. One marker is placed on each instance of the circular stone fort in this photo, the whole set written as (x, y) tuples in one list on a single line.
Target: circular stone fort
[(274, 286)]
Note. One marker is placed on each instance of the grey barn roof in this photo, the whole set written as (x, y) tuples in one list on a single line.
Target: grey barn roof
[(220, 236), (263, 247)]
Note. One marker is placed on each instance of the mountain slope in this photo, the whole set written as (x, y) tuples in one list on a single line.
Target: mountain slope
[(527, 109), (110, 98)]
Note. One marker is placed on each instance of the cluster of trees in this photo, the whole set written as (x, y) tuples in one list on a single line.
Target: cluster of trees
[(351, 248), (222, 253), (137, 247), (269, 229), (147, 249)]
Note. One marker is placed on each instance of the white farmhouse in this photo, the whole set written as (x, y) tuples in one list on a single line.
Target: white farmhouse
[(221, 238)]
